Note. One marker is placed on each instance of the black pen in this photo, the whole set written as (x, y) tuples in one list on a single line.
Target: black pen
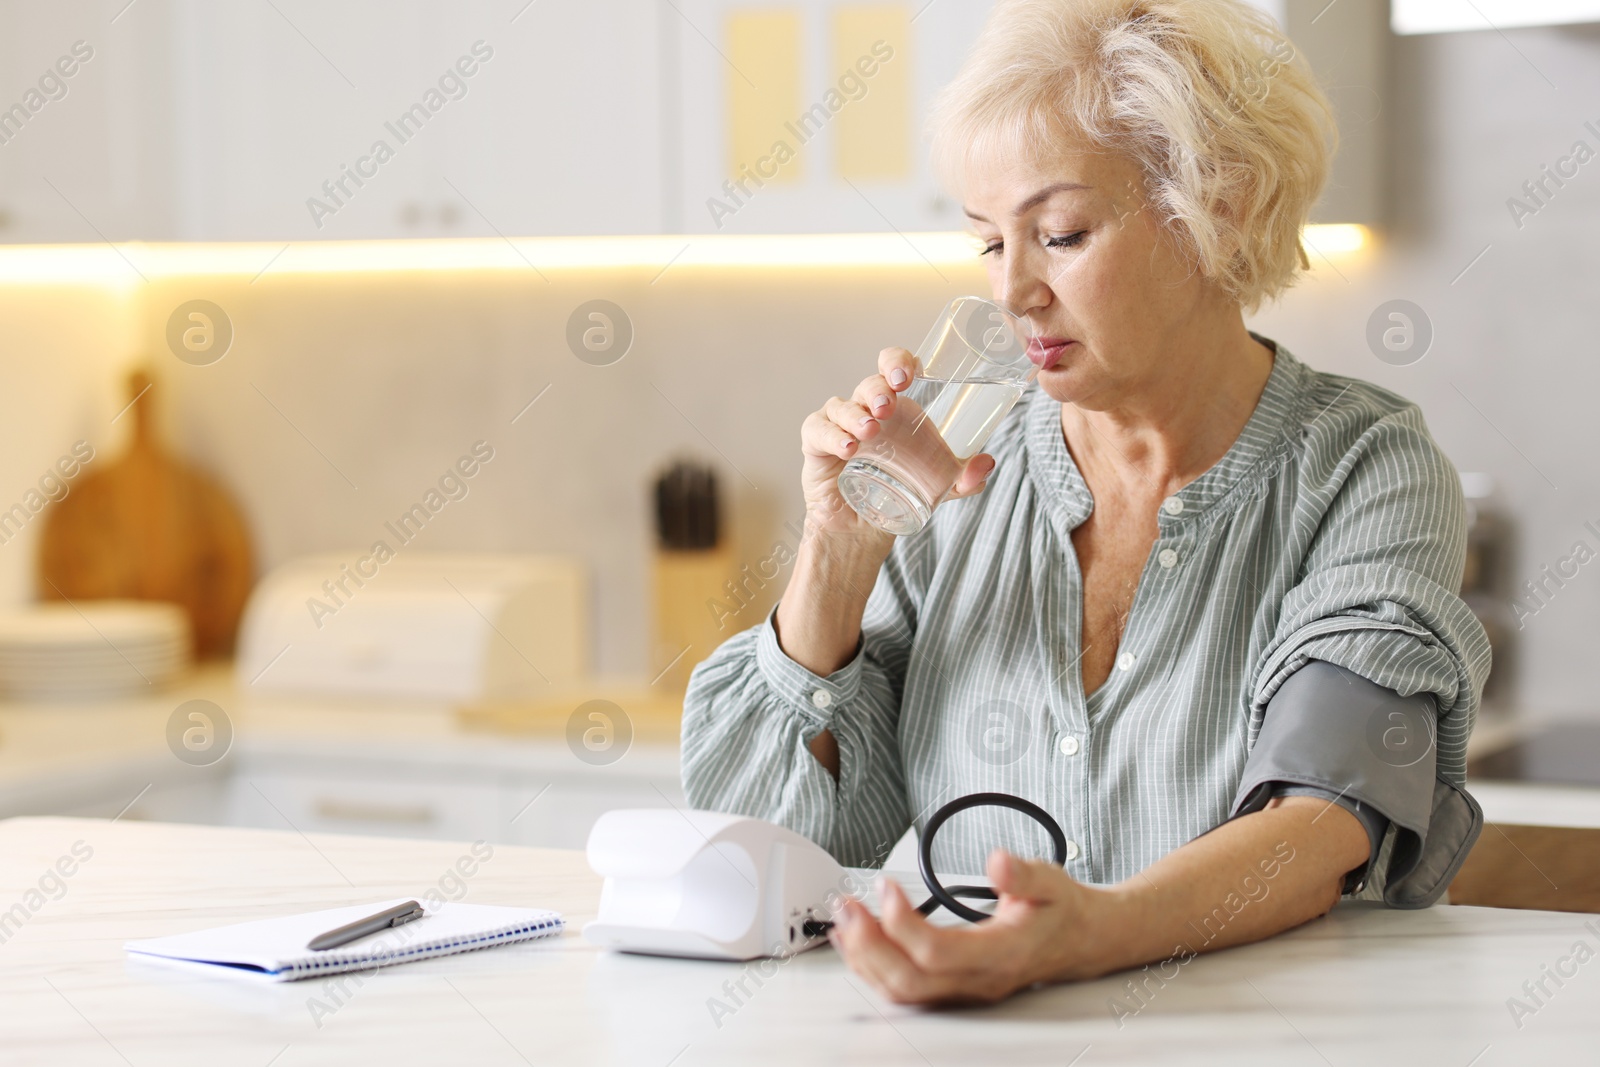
[(398, 915)]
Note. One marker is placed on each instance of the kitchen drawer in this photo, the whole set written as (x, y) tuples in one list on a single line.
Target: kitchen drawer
[(456, 810)]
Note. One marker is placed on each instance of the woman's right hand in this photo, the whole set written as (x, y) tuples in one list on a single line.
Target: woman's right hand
[(832, 436)]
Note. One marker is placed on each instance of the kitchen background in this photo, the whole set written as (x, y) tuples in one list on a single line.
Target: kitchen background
[(583, 159)]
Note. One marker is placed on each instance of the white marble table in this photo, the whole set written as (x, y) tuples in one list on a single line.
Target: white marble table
[(1362, 986)]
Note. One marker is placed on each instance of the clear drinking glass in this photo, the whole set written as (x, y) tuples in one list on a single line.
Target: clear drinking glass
[(971, 369)]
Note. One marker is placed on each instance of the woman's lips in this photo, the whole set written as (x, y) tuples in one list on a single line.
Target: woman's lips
[(1046, 351)]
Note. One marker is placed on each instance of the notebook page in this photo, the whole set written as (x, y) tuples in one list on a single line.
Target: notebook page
[(277, 947)]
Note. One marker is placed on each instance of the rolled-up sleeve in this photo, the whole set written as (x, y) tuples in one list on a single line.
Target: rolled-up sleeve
[(751, 712), (1377, 598)]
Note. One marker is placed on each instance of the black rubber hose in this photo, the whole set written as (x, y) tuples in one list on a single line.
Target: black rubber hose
[(947, 896)]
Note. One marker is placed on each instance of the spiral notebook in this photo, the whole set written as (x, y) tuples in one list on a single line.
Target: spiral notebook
[(275, 949)]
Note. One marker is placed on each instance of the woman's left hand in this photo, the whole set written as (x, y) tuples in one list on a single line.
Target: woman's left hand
[(1045, 928)]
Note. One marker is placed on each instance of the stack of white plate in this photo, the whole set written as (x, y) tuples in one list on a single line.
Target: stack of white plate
[(91, 649)]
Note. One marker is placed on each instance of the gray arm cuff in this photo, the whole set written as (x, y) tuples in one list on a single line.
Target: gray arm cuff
[(1332, 730)]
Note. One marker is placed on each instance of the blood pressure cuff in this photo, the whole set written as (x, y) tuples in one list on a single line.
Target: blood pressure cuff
[(1332, 732)]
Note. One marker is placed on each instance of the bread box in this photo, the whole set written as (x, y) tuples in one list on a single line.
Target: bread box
[(439, 626)]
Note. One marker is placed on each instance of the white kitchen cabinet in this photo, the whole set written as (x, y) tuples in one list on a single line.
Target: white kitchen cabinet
[(544, 799), (564, 135), (364, 801), (817, 84), (486, 124), (224, 120), (239, 120), (78, 158), (331, 764), (522, 794), (146, 787)]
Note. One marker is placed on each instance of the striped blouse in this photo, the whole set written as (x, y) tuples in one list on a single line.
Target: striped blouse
[(1333, 530)]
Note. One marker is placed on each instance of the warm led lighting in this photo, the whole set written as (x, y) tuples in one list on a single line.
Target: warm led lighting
[(1338, 238), (97, 265), (131, 263)]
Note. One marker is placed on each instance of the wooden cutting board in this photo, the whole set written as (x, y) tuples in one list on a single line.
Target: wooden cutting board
[(148, 527)]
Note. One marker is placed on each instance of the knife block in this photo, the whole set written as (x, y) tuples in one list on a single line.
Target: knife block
[(689, 584)]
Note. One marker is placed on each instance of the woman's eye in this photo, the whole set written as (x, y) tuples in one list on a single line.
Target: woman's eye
[(1071, 240)]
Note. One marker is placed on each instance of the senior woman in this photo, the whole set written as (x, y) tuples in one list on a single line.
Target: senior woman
[(1199, 601)]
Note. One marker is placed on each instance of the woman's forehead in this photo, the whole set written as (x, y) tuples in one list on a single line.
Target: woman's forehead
[(1000, 185)]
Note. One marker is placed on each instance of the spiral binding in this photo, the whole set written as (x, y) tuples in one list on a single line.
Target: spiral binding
[(331, 963)]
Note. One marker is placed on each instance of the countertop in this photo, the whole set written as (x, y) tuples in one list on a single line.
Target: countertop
[(1362, 985)]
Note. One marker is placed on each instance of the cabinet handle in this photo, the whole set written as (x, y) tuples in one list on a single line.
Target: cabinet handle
[(355, 811)]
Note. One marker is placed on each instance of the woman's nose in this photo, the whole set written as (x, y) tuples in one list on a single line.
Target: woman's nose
[(1025, 286)]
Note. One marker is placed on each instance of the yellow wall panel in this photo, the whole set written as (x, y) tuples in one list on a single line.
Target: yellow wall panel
[(872, 132), (764, 87)]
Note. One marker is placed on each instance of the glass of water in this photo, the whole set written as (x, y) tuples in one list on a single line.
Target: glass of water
[(971, 369)]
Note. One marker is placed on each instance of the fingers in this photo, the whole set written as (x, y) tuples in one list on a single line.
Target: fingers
[(911, 961), (931, 948), (974, 476), (821, 436), (874, 955), (857, 937), (1035, 880), (875, 396), (897, 366), (851, 417), (840, 427)]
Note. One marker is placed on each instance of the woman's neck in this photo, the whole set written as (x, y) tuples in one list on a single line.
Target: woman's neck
[(1175, 426)]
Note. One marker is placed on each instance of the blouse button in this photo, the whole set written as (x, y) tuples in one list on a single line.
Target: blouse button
[(1126, 661), (1172, 506), (1069, 746), (1072, 850), (1168, 558), (821, 698)]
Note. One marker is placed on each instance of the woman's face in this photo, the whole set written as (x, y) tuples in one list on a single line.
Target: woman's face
[(1072, 245)]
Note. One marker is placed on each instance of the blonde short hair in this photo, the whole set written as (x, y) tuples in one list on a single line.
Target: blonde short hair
[(1229, 127)]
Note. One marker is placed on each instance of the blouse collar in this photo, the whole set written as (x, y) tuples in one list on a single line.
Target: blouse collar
[(1068, 501)]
